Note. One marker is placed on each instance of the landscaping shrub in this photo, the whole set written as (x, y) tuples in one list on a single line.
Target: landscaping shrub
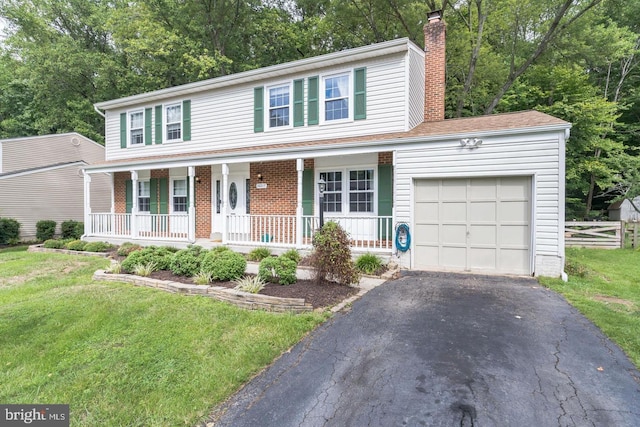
[(97, 247), (53, 244), (293, 255), (127, 247), (224, 264), (251, 284), (72, 229), (187, 262), (368, 263), (202, 278), (331, 257), (76, 245), (280, 270), (159, 256), (45, 230), (258, 254), (9, 231)]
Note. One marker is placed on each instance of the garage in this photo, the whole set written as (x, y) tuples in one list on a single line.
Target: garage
[(473, 224)]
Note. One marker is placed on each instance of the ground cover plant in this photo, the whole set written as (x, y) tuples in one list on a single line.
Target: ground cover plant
[(603, 285), (122, 355)]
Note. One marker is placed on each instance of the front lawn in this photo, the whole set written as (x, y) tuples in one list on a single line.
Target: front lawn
[(605, 286), (122, 355)]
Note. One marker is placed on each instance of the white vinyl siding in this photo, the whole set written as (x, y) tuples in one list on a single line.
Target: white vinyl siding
[(415, 88)]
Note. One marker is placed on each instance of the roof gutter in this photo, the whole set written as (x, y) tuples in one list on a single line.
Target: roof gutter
[(97, 110)]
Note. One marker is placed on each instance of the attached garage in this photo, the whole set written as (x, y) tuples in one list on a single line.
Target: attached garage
[(473, 224)]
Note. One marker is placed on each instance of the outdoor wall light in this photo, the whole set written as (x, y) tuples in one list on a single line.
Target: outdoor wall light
[(198, 179), (259, 177)]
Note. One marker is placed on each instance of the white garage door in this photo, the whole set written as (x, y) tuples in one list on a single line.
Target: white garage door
[(475, 224)]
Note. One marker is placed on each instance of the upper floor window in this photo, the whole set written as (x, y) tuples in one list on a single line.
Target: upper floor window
[(279, 106), (136, 127), (144, 196), (336, 97), (173, 122)]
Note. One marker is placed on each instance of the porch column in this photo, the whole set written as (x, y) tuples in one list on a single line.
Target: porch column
[(113, 203), (134, 204), (192, 206), (88, 229), (299, 223), (225, 202)]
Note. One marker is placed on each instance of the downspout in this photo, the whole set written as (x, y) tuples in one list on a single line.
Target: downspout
[(97, 110)]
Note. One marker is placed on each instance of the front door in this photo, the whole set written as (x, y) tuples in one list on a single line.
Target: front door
[(237, 208)]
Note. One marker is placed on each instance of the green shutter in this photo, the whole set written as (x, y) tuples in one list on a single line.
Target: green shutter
[(298, 103), (128, 195), (360, 94), (153, 195), (258, 109), (158, 124), (147, 126), (186, 120), (163, 184), (123, 130), (385, 198), (307, 199), (312, 101)]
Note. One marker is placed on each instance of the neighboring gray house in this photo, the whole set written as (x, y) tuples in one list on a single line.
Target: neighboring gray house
[(623, 210), (41, 179)]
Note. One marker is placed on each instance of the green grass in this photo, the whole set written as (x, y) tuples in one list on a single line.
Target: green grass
[(123, 355), (605, 286)]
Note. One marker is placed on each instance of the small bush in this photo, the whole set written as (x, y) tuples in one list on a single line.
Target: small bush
[(293, 255), (76, 245), (224, 264), (127, 247), (368, 263), (115, 268), (258, 254), (97, 247), (187, 262), (9, 231), (53, 244), (45, 229), (280, 270), (251, 284), (219, 249), (202, 278), (331, 258), (71, 229), (145, 269), (160, 256)]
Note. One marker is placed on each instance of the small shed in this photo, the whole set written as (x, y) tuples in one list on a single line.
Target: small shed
[(623, 210)]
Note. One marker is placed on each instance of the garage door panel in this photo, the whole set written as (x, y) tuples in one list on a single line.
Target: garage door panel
[(514, 235), (515, 188), (482, 189), (483, 235), (427, 191), (427, 211), (430, 233), (483, 211), (482, 258), (454, 234), (455, 189), (454, 211), (514, 261), (427, 256), (453, 257), (514, 211)]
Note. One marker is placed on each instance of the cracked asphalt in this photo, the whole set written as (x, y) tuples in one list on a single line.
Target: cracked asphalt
[(437, 349)]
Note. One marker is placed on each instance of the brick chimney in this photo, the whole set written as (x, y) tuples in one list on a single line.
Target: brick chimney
[(434, 67)]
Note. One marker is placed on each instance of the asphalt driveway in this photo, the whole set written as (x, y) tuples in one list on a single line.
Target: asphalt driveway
[(433, 349)]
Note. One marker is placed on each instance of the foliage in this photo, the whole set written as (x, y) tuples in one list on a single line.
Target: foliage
[(368, 263), (54, 244), (331, 257), (76, 245), (127, 247), (293, 255), (280, 270), (160, 256), (224, 264), (202, 278), (72, 229), (258, 254), (251, 284), (9, 230), (145, 269), (114, 268), (97, 247), (187, 262), (45, 229)]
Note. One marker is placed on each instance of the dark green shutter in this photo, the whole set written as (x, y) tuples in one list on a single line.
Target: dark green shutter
[(258, 109), (158, 124), (128, 195), (312, 101), (385, 198), (186, 120), (153, 195), (360, 94), (298, 103), (163, 184), (123, 130), (307, 199), (147, 126)]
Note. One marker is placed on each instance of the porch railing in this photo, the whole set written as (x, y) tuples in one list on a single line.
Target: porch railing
[(262, 229), (151, 226), (365, 232)]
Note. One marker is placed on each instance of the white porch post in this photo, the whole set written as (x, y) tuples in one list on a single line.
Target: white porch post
[(113, 203), (192, 207), (88, 229), (299, 219), (225, 203), (134, 204)]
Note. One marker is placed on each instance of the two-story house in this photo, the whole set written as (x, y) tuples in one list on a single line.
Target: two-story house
[(239, 160)]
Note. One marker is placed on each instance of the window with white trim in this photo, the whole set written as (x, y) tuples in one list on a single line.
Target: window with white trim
[(173, 122), (144, 196), (336, 91), (333, 191), (349, 191), (279, 106), (179, 195), (136, 127), (361, 190)]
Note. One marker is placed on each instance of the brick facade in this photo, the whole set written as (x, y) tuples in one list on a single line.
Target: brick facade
[(434, 70), (385, 158), (281, 195), (119, 192), (203, 202)]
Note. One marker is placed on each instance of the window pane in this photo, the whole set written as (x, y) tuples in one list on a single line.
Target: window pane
[(335, 110), (279, 117), (361, 190), (174, 114), (180, 187), (333, 191), (136, 121), (336, 87), (173, 131), (279, 96), (136, 136), (279, 106)]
